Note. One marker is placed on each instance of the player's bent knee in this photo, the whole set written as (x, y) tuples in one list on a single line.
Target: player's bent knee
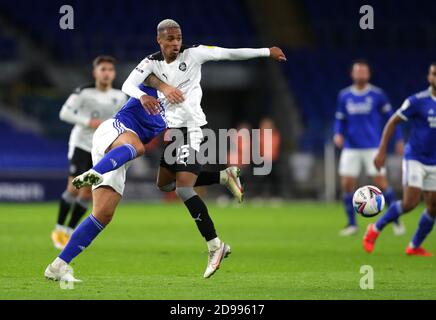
[(167, 187), (104, 218), (185, 193), (140, 149), (409, 205)]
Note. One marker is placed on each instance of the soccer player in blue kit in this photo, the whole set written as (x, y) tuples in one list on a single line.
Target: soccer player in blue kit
[(362, 111), (419, 166)]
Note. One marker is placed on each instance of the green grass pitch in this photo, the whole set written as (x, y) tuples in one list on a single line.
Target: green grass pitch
[(155, 252)]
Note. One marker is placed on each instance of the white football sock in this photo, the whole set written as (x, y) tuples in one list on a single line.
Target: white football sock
[(214, 244)]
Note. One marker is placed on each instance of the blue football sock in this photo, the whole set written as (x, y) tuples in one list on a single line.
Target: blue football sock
[(392, 214), (115, 158), (424, 227), (348, 203), (390, 198), (81, 238), (389, 195)]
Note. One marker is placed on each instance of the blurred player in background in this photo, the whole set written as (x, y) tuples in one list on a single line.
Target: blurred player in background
[(362, 111), (86, 109), (419, 166)]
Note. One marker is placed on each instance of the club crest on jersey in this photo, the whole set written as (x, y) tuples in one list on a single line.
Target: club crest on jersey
[(182, 66)]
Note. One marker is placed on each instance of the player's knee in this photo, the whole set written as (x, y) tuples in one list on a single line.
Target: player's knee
[(140, 149), (185, 193), (409, 204), (431, 209), (167, 187), (104, 217)]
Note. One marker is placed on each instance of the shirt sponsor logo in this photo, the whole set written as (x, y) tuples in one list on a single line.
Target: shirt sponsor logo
[(359, 107)]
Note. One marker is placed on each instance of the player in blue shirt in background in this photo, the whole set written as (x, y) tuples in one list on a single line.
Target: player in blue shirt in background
[(362, 111), (419, 166)]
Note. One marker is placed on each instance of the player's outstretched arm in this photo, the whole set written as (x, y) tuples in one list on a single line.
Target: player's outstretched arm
[(388, 132), (173, 95), (209, 53)]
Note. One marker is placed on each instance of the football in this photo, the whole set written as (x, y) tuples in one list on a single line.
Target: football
[(368, 201)]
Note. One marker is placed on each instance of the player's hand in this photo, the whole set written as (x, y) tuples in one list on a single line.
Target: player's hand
[(277, 54), (94, 123), (173, 95), (379, 160), (150, 104), (338, 140), (399, 148)]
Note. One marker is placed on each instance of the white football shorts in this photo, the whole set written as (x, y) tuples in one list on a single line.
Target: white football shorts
[(419, 175), (103, 137), (352, 161)]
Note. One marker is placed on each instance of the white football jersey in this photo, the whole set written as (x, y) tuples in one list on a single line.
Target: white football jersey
[(184, 73), (88, 103)]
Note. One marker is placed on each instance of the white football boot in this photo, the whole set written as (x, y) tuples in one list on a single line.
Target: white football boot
[(230, 178), (215, 258), (399, 229), (59, 270), (349, 231), (88, 178)]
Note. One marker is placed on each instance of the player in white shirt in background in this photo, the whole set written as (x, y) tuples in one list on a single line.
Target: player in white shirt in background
[(86, 108)]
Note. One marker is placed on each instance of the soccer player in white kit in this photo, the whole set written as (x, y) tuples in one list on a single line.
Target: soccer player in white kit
[(86, 108), (180, 66)]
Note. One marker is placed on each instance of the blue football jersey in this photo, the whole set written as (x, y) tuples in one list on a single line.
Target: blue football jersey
[(420, 111), (134, 117), (361, 116)]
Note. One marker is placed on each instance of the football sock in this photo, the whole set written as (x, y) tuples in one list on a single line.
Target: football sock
[(79, 209), (206, 178), (214, 244), (81, 238), (425, 225), (390, 198), (348, 203), (198, 211), (67, 200), (115, 158), (389, 195), (392, 214)]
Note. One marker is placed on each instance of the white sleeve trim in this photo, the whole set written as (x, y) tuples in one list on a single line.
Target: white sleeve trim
[(404, 106)]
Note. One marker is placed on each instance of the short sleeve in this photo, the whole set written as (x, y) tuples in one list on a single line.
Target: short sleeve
[(407, 109)]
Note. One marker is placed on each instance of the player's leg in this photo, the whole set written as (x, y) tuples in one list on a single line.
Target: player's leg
[(84, 195), (229, 177), (218, 250), (350, 165), (105, 202), (126, 147), (381, 181), (59, 235), (427, 220), (80, 207), (411, 199), (425, 226)]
